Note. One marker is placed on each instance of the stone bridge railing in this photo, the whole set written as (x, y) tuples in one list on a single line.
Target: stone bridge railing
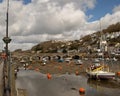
[(13, 91)]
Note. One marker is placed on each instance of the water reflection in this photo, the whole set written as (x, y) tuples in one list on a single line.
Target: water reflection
[(37, 84), (103, 84)]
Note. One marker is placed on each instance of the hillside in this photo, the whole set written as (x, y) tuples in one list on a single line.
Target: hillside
[(112, 34)]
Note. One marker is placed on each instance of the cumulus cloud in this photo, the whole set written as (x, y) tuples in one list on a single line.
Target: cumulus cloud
[(43, 20), (116, 9), (109, 19), (40, 18)]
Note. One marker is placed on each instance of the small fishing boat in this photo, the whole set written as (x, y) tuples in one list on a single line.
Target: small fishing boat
[(98, 71)]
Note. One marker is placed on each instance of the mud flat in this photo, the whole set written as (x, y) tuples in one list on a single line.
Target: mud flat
[(55, 67), (37, 84)]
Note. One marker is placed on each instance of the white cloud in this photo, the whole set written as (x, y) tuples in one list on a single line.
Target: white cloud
[(116, 8), (25, 46), (109, 19), (81, 4), (44, 20)]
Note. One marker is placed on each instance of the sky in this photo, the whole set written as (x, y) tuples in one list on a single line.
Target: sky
[(35, 21)]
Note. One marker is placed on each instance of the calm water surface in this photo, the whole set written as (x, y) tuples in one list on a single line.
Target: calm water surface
[(37, 84)]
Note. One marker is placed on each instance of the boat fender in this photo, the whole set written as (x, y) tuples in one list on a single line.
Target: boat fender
[(76, 72), (49, 76)]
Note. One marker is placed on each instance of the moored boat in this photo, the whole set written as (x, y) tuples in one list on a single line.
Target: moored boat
[(100, 72)]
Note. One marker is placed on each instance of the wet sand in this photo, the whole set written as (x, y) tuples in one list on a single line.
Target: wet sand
[(37, 84), (55, 67)]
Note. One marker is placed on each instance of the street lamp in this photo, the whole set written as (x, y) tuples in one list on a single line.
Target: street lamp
[(7, 40)]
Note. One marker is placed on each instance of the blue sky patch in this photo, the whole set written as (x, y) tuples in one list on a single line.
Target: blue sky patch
[(26, 1), (102, 7), (1, 0)]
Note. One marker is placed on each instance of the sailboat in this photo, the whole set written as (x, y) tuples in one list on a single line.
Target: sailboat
[(100, 70), (100, 73)]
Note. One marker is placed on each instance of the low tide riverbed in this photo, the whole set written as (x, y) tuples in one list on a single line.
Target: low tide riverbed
[(37, 84)]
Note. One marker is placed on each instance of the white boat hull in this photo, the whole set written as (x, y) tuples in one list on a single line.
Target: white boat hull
[(101, 75)]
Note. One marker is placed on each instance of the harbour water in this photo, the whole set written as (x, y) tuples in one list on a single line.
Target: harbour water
[(37, 84)]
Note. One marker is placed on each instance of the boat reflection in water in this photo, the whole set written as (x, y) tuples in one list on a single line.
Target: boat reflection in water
[(103, 84)]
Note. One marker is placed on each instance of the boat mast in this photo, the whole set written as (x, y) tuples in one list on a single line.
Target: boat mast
[(102, 41)]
